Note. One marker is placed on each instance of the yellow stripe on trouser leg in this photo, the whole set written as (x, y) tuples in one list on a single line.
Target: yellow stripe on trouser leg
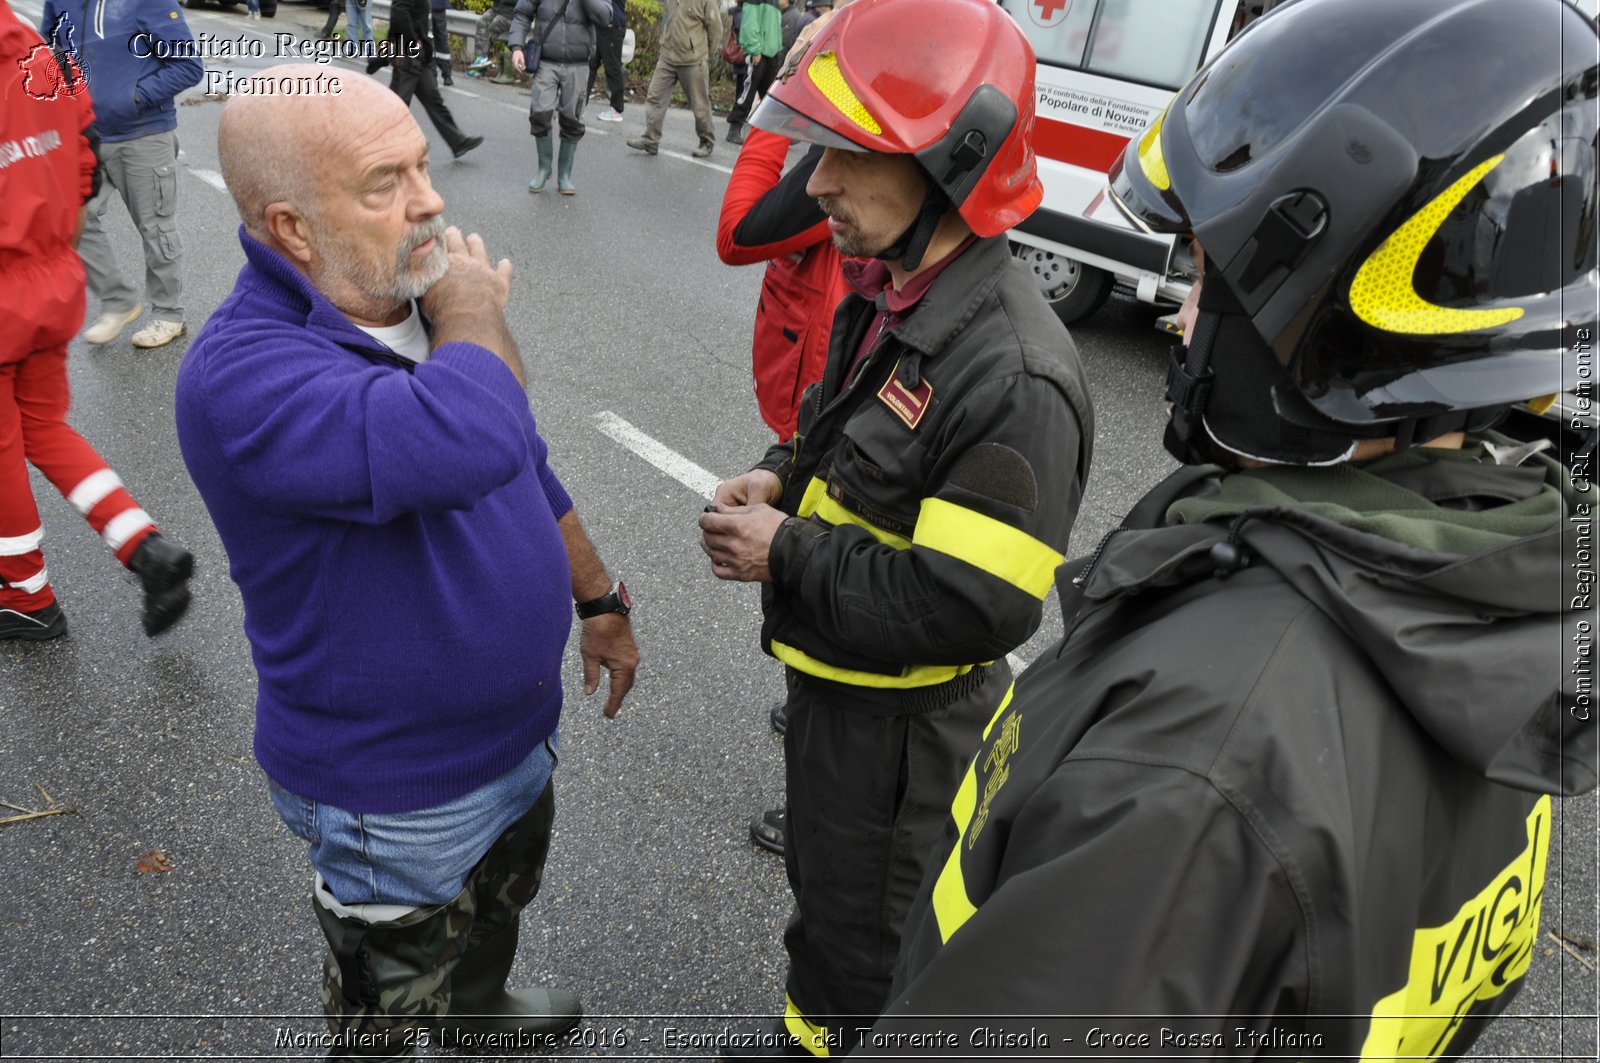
[(990, 545), (812, 1038), (951, 905)]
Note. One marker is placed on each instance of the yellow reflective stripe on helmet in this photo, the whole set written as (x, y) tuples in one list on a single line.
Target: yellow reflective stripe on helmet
[(910, 677), (825, 74), (990, 545), (951, 905), (1542, 403), (1384, 293), (1151, 160), (812, 1038)]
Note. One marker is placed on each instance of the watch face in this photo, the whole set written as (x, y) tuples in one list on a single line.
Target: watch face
[(624, 597)]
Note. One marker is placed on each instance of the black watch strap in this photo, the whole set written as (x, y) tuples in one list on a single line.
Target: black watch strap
[(616, 600)]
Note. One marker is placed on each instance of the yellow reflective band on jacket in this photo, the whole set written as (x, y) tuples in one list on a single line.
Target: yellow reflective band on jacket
[(816, 503), (1384, 293), (1475, 956), (951, 905), (988, 545), (812, 1038), (909, 677)]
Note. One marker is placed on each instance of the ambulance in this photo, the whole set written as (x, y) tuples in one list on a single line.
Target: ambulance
[(1107, 68)]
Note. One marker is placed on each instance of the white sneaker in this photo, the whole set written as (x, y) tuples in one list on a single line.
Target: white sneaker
[(608, 115), (158, 333), (255, 16), (109, 326)]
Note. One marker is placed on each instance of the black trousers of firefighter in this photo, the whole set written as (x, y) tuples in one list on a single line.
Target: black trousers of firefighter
[(869, 792)]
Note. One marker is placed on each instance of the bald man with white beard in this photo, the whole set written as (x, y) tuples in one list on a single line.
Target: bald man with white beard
[(354, 416)]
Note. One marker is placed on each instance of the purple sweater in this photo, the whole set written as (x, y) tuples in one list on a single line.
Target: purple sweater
[(393, 534)]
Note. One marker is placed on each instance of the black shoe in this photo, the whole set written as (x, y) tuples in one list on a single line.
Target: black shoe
[(47, 623), (779, 717), (767, 830), (736, 133), (163, 568), (466, 146), (448, 80)]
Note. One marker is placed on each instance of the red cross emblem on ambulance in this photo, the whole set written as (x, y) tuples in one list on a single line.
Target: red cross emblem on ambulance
[(1048, 13)]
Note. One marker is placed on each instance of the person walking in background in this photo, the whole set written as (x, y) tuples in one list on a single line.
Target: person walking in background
[(136, 58), (908, 544), (356, 420), (439, 13), (335, 9), (411, 45), (43, 100), (761, 38), (564, 31), (608, 52), (358, 24), (690, 32)]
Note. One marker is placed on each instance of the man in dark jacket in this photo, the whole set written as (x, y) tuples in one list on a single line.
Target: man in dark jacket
[(410, 48), (136, 58), (563, 34), (907, 536), (1285, 788), (608, 53)]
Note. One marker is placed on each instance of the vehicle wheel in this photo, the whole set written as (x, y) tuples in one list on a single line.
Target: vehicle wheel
[(1073, 290)]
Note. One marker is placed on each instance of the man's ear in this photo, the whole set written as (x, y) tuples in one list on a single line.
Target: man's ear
[(290, 230)]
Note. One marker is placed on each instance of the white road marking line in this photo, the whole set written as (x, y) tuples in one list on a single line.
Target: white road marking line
[(697, 162), (688, 473), (461, 92), (658, 454), (212, 178)]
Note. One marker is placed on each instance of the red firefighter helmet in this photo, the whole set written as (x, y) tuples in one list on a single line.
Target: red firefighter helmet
[(947, 81)]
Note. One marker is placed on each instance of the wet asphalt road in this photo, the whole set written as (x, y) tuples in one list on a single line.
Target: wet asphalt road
[(655, 908)]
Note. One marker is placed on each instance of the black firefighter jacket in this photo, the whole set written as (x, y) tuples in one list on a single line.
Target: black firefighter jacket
[(1296, 809), (931, 499)]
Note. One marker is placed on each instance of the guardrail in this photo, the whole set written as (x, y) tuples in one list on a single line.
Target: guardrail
[(461, 23)]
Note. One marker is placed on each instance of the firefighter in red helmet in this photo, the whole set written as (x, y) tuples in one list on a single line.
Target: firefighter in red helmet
[(908, 534)]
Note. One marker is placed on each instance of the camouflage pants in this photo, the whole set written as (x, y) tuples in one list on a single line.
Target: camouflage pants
[(384, 979), (491, 28)]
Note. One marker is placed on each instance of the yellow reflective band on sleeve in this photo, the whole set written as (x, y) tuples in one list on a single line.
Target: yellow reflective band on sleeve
[(812, 1038), (1384, 293), (816, 503), (1151, 159), (910, 677), (1475, 956), (826, 76), (951, 905), (987, 544)]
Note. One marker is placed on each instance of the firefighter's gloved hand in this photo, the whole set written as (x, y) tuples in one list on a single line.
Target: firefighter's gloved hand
[(737, 539)]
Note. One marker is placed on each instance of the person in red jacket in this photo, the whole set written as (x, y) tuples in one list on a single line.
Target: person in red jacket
[(47, 174), (767, 217)]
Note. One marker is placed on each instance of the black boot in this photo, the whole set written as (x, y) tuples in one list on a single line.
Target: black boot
[(481, 1003), (163, 568)]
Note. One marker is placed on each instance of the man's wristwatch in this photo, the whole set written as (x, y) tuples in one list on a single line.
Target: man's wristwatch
[(615, 600)]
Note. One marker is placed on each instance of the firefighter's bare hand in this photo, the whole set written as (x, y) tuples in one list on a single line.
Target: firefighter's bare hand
[(754, 487), (607, 642), (738, 539)]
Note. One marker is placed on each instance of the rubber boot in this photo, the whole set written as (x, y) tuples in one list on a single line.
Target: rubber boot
[(481, 1003), (507, 74), (569, 152), (384, 981), (546, 147)]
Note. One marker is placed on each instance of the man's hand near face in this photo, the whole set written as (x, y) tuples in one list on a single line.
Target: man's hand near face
[(467, 304)]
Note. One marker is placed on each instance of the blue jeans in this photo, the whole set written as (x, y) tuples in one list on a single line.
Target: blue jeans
[(358, 21), (421, 859)]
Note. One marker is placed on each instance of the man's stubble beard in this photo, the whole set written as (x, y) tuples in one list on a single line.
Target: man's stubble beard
[(404, 281)]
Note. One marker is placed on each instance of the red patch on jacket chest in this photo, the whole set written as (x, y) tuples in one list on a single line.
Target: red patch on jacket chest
[(908, 404)]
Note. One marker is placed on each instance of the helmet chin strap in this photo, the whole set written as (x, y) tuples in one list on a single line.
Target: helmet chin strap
[(912, 244)]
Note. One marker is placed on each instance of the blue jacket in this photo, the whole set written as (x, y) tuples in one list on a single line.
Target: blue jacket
[(117, 43), (392, 530)]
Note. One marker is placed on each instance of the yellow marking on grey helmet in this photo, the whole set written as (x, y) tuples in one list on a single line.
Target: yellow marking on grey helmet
[(1151, 160), (825, 74), (1542, 403), (1384, 293)]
